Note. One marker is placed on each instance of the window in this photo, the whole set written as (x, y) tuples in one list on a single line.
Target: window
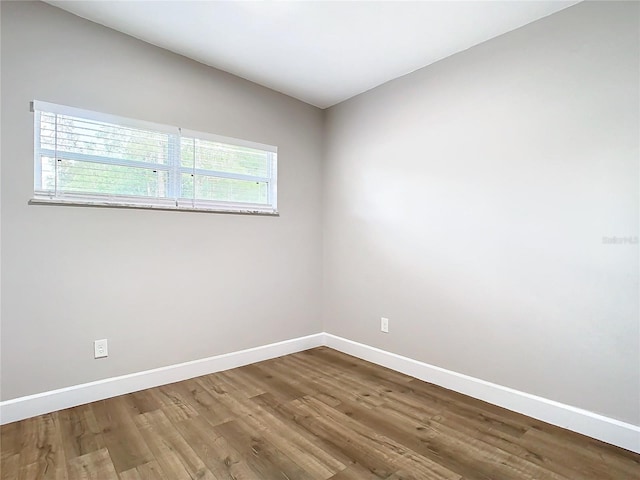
[(84, 157)]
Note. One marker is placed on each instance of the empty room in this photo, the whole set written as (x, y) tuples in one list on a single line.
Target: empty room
[(320, 240)]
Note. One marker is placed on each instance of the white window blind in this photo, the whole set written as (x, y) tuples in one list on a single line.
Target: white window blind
[(87, 157)]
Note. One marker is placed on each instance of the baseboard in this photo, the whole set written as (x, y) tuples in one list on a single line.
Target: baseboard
[(597, 426), (46, 402)]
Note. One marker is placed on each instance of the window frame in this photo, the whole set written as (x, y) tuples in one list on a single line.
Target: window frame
[(173, 167)]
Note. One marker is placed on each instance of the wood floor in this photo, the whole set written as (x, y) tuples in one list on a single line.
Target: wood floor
[(318, 414)]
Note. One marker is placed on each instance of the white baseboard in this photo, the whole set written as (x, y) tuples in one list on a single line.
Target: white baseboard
[(597, 426), (46, 402)]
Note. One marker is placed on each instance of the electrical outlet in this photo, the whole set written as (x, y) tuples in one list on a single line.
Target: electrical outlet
[(100, 348), (384, 325)]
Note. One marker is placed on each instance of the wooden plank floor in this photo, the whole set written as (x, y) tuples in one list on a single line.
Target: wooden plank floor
[(318, 414)]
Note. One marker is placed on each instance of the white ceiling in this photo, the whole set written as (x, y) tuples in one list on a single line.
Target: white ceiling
[(319, 52)]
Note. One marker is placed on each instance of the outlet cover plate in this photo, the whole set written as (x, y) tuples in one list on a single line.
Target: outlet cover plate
[(384, 325), (100, 348)]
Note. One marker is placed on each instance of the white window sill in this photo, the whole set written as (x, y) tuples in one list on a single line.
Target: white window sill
[(102, 204)]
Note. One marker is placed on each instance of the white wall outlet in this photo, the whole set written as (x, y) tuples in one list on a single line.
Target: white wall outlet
[(100, 348), (384, 325)]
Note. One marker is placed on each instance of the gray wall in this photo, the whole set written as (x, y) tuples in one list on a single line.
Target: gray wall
[(163, 287), (468, 201)]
